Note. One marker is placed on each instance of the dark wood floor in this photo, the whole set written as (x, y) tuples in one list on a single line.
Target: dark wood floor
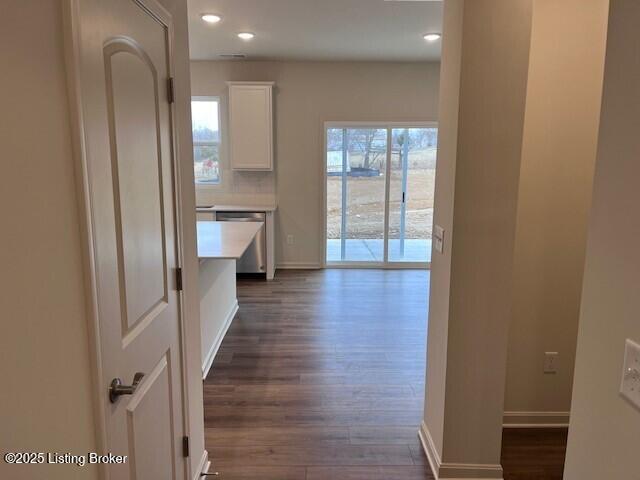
[(321, 376), (533, 453)]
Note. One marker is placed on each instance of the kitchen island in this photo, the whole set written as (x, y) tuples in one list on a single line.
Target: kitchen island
[(220, 244), (212, 212)]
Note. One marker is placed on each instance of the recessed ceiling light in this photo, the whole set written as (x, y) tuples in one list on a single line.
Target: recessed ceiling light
[(246, 35), (211, 18), (432, 37)]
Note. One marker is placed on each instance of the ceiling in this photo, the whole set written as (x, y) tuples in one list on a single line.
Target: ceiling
[(317, 30)]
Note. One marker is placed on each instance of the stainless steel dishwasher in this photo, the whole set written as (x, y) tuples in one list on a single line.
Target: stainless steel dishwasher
[(254, 259)]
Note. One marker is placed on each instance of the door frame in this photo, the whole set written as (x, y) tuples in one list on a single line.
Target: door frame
[(73, 56), (389, 126)]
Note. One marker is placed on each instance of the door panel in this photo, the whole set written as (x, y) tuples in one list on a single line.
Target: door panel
[(336, 195), (411, 194), (251, 127), (356, 177), (149, 416), (124, 61), (137, 176), (366, 179)]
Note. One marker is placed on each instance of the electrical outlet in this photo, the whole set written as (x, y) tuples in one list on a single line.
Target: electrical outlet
[(550, 362), (630, 387), (291, 240)]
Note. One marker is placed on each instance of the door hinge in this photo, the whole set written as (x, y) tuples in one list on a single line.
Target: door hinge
[(170, 90), (185, 447), (179, 279)]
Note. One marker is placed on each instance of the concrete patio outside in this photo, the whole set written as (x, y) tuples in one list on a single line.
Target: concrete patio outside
[(372, 250)]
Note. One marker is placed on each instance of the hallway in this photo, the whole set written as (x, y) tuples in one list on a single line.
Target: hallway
[(321, 376)]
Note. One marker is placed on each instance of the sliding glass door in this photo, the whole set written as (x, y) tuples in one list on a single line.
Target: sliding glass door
[(413, 168), (356, 172), (379, 194)]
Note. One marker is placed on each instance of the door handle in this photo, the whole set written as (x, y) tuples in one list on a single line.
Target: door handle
[(116, 388)]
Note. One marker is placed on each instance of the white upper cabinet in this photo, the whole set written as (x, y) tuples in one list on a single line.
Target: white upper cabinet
[(251, 125)]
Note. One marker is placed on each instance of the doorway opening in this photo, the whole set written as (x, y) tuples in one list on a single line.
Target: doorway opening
[(379, 190)]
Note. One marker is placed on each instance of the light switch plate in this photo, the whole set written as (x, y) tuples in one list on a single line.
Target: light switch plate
[(630, 387), (438, 238)]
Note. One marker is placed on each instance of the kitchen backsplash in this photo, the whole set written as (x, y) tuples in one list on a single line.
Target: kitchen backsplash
[(241, 188)]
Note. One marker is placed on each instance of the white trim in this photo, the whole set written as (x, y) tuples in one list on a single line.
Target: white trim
[(205, 98), (536, 419), (72, 46), (387, 194), (385, 125), (454, 471), (211, 354), (231, 83), (323, 205), (430, 450), (299, 266), (203, 466)]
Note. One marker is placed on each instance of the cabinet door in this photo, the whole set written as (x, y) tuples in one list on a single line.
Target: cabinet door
[(251, 130)]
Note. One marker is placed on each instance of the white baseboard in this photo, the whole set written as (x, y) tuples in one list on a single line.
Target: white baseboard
[(299, 266), (203, 466), (211, 354), (454, 471), (535, 419), (430, 449)]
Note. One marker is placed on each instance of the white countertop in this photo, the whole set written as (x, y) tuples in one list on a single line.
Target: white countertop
[(236, 208), (225, 240)]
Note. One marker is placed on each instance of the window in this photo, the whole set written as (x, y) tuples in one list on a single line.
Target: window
[(205, 114)]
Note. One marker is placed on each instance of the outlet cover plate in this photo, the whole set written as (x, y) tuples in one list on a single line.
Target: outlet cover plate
[(630, 386), (551, 362)]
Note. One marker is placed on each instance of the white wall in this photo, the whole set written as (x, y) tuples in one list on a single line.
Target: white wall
[(46, 399), (564, 92), (218, 305), (485, 63), (46, 395), (440, 275), (605, 430), (306, 96)]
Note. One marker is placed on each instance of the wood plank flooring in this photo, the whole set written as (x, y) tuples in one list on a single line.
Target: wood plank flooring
[(321, 376), (533, 453)]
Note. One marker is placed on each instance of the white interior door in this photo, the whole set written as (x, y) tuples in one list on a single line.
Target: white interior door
[(124, 67)]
